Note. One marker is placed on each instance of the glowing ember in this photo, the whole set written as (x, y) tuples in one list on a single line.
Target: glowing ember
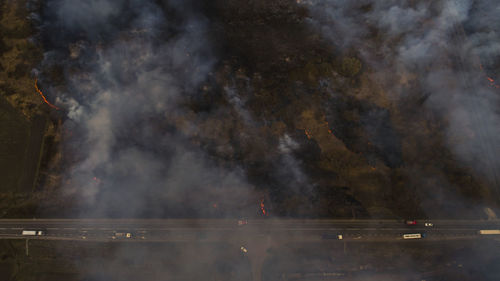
[(307, 134), (43, 97), (492, 82), (324, 124), (264, 212), (328, 127)]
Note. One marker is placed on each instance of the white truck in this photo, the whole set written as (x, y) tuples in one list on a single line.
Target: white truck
[(489, 232), (413, 236), (33, 232)]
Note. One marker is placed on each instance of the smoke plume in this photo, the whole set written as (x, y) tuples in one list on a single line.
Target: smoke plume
[(439, 52), (130, 68)]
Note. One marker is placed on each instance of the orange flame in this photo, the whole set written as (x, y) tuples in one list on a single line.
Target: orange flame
[(492, 82), (43, 97), (328, 127), (309, 136), (264, 212)]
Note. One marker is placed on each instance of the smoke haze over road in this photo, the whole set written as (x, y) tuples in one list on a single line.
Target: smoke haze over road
[(244, 109)]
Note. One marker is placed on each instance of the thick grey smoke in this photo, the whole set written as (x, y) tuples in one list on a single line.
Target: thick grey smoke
[(135, 64), (436, 49), (132, 66)]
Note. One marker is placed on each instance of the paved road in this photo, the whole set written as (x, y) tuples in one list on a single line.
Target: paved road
[(228, 230), (258, 236)]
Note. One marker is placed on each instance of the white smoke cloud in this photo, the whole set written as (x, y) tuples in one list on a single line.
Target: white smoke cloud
[(135, 68), (431, 45)]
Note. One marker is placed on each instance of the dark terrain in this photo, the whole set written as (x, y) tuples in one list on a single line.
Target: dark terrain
[(277, 85), (54, 261), (229, 109)]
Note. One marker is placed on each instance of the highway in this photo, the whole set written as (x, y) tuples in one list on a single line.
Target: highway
[(257, 239), (229, 230)]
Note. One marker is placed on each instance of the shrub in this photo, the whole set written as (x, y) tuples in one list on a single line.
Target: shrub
[(350, 66)]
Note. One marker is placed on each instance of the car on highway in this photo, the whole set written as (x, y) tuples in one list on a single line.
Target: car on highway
[(141, 234), (26, 232), (242, 222), (411, 222), (428, 224), (122, 235), (332, 236)]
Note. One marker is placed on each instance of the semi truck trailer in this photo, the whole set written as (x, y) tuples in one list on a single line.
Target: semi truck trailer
[(489, 231), (33, 232)]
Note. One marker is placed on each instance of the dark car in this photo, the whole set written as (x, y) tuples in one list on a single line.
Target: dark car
[(337, 236)]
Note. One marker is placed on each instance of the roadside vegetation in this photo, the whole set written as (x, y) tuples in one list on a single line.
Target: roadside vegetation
[(29, 127)]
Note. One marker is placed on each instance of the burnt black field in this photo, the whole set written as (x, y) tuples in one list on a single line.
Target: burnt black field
[(271, 106), (257, 109), (170, 109)]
